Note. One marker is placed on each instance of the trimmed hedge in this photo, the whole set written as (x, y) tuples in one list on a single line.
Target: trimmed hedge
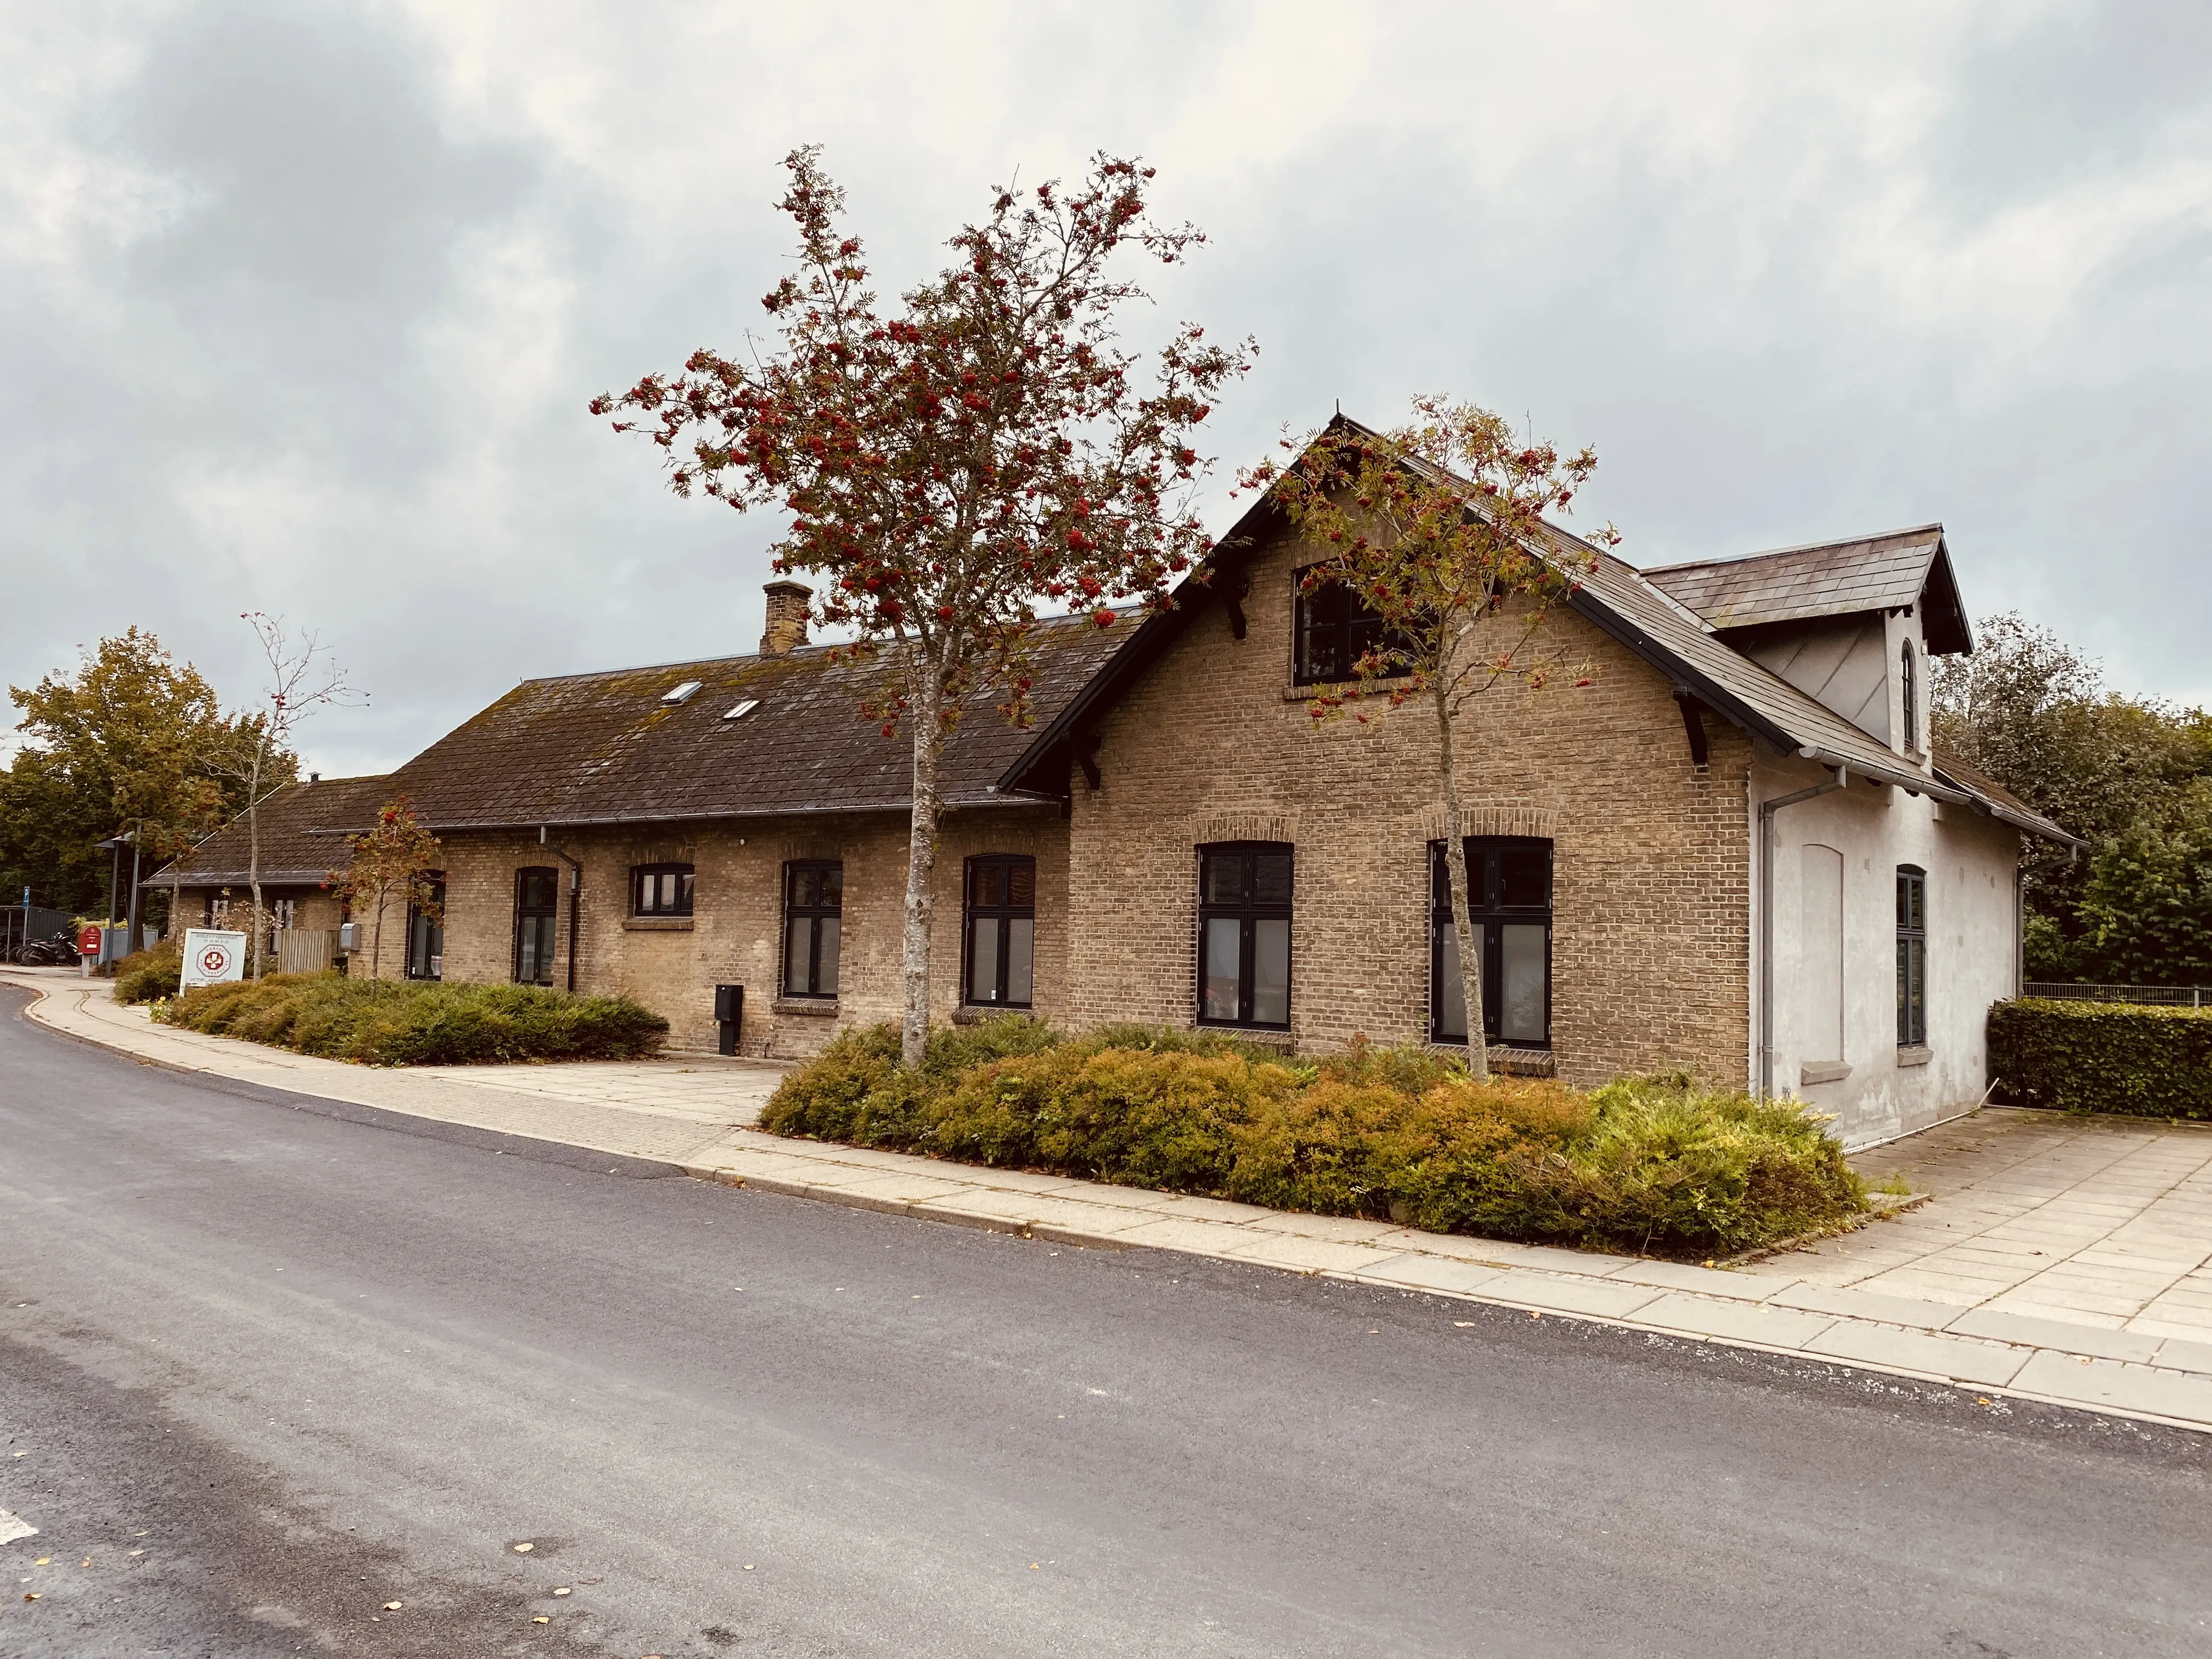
[(1647, 1165), (150, 975), (2103, 1057), (403, 1023)]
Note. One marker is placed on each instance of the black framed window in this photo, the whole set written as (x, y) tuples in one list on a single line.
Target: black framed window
[(661, 890), (1906, 678), (1912, 957), (1335, 628), (537, 905), (813, 922), (1244, 935), (1509, 880), (426, 933), (998, 950)]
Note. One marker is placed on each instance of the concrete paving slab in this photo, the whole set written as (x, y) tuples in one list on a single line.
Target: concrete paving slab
[(1308, 1255), (2001, 1325), (1848, 1304), (1213, 1238), (2180, 1396), (2183, 1353), (1990, 1365), (1739, 1321), (1557, 1294), (1705, 1281), (1429, 1273)]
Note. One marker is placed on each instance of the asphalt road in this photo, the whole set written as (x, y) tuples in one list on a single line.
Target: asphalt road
[(267, 1365)]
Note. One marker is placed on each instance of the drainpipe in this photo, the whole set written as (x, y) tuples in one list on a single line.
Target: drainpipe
[(575, 898), (1767, 809)]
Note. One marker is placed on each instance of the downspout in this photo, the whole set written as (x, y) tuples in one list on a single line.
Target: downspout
[(1767, 809), (575, 899)]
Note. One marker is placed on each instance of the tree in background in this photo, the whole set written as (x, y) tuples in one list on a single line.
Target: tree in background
[(300, 679), (391, 859), (955, 463), (2120, 772), (130, 741), (1438, 531)]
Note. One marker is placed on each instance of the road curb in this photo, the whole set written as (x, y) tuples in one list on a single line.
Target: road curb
[(1519, 1278)]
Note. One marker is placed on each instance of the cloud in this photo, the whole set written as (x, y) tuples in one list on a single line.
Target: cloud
[(303, 304)]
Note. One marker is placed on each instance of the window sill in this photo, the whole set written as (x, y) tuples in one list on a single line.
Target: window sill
[(1915, 1056), (806, 1007), (1272, 1036), (1814, 1072), (1337, 688), (656, 924), (975, 1014)]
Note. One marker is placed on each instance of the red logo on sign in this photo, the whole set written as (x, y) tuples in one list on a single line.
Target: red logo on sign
[(214, 959)]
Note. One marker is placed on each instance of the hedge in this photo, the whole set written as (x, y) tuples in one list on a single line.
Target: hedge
[(411, 1023), (2103, 1057), (1653, 1165), (150, 975)]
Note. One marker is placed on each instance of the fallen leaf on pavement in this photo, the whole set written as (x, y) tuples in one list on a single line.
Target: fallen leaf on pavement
[(541, 1620), (392, 1607), (563, 1591), (1463, 1324), (524, 1549), (30, 1596)]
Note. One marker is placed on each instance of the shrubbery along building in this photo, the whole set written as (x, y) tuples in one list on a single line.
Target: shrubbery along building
[(1735, 850)]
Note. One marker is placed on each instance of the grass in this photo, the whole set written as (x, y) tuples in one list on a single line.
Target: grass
[(1648, 1164), (411, 1023)]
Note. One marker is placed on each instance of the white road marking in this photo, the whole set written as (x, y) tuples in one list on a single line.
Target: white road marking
[(13, 1527)]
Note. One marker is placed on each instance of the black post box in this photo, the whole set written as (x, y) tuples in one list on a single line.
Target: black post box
[(730, 1014)]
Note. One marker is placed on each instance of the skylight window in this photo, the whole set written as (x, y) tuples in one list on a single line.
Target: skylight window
[(683, 693), (743, 709)]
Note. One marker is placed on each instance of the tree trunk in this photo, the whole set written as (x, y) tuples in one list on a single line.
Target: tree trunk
[(254, 860), (1470, 950), (924, 707), (376, 939)]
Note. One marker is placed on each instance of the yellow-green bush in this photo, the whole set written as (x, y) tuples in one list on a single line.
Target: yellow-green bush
[(1645, 1163), (150, 975), (411, 1023)]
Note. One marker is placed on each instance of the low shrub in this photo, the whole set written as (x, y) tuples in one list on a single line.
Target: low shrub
[(383, 1022), (2103, 1057), (1654, 1163), (149, 975)]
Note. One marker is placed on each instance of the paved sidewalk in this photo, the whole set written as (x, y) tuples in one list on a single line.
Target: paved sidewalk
[(2095, 1221), (620, 1108)]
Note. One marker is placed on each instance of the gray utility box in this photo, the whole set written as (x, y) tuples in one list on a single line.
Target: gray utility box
[(729, 1015)]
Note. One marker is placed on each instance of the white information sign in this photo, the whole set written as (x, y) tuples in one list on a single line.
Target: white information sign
[(212, 956)]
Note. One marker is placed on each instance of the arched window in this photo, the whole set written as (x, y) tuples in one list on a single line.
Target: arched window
[(1905, 679)]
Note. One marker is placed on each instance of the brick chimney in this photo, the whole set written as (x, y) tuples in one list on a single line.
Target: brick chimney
[(787, 604)]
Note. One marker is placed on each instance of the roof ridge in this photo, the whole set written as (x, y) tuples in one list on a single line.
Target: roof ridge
[(1801, 547)]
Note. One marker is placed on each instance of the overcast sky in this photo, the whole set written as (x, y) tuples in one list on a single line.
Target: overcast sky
[(300, 305)]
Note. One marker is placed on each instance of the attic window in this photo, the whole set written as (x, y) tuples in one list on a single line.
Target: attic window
[(683, 693), (743, 709)]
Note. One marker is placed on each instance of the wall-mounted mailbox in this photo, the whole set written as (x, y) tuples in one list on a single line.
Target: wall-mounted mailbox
[(349, 936), (729, 1015)]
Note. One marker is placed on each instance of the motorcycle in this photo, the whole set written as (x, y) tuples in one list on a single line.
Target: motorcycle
[(59, 951)]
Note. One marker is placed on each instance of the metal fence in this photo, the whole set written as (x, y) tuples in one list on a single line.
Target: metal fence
[(2163, 996), (18, 924)]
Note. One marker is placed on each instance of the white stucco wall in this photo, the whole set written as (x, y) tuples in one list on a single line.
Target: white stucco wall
[(1972, 948)]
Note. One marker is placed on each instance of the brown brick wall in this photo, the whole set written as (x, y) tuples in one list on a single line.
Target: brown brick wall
[(1650, 942), (735, 933)]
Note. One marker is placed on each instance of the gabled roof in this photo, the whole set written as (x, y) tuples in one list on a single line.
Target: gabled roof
[(293, 853), (1892, 571), (1615, 597), (604, 748)]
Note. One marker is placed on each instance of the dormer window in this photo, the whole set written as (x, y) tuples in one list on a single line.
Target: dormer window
[(1911, 692)]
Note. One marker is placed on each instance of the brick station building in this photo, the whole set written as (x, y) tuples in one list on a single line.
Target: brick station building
[(1735, 850)]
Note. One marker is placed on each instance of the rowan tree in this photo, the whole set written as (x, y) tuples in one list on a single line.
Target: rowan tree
[(1437, 530), (393, 858), (955, 463), (301, 678)]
